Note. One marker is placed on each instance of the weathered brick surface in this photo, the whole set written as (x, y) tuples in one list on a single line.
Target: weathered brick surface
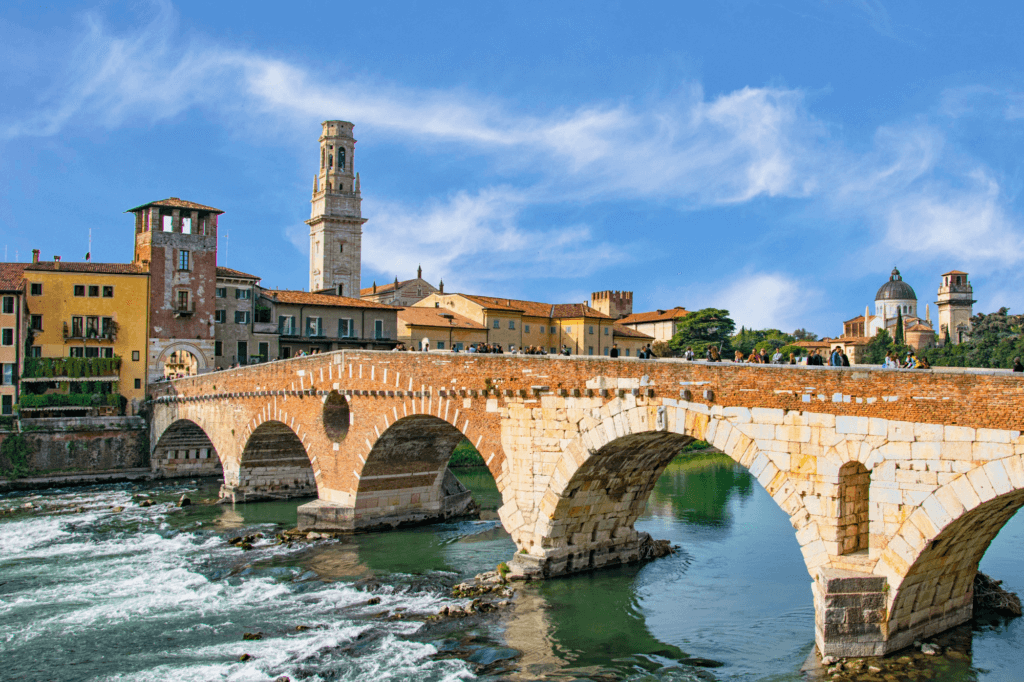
[(902, 478)]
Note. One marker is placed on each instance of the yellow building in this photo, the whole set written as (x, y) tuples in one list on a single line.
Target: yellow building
[(510, 322), (12, 330), (90, 312), (439, 327)]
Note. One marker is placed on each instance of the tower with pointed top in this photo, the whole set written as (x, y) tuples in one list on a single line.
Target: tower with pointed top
[(956, 305), (336, 221)]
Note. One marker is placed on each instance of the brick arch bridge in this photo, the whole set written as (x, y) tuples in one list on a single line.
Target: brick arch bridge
[(895, 482)]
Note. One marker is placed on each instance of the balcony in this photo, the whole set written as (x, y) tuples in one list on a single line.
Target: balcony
[(185, 309), (78, 333)]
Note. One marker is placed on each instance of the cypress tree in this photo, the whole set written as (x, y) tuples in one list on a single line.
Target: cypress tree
[(898, 336), (946, 341)]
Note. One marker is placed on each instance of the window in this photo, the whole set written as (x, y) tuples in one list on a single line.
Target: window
[(107, 327), (8, 305), (497, 324), (218, 348), (36, 323), (220, 316), (286, 352), (625, 351), (241, 317), (440, 345), (92, 326), (35, 352), (8, 404), (605, 350), (94, 291), (244, 294), (138, 383), (568, 330), (341, 247), (590, 330), (526, 329), (458, 346), (135, 356), (76, 327), (8, 378), (167, 223), (606, 331), (36, 288), (243, 352), (590, 350), (314, 326), (264, 351), (541, 329), (183, 260), (511, 324), (107, 352), (221, 292), (378, 329), (8, 336), (183, 301), (76, 352), (108, 292), (79, 290), (286, 325), (553, 351), (186, 226), (92, 352), (346, 329)]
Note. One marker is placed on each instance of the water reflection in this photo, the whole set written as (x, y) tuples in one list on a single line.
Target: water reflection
[(698, 489)]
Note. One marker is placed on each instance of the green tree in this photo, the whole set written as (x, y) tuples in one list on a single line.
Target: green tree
[(703, 328), (804, 335), (899, 327)]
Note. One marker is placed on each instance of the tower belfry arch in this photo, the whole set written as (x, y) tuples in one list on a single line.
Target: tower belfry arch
[(336, 222)]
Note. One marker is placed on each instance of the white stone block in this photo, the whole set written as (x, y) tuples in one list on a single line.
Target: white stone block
[(927, 450), (793, 434), (878, 427), (817, 419), (764, 415), (937, 514), (885, 495), (997, 476), (847, 424), (928, 432), (737, 415), (959, 433), (1015, 470), (899, 450), (760, 462), (758, 431), (982, 486), (994, 435), (989, 451), (900, 431)]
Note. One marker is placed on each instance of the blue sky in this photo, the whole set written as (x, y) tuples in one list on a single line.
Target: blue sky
[(773, 158)]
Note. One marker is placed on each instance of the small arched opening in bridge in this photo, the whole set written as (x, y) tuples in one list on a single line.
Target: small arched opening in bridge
[(854, 529), (184, 449), (937, 590), (181, 360), (274, 465), (336, 416), (406, 478)]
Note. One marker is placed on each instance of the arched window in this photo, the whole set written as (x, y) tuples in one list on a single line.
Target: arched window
[(341, 158), (854, 530), (341, 187)]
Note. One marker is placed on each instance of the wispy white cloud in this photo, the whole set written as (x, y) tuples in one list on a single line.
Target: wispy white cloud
[(762, 300)]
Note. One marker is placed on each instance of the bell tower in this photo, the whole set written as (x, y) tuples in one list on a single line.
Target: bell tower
[(956, 305), (336, 222)]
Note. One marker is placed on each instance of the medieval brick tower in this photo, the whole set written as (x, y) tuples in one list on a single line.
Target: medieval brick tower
[(614, 304), (956, 304), (336, 222), (176, 241)]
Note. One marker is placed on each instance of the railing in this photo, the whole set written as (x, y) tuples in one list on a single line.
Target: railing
[(71, 367), (185, 310)]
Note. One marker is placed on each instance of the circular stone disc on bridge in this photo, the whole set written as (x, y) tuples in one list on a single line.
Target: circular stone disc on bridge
[(336, 416)]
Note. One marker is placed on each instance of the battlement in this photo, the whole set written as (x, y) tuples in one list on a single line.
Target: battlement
[(617, 304)]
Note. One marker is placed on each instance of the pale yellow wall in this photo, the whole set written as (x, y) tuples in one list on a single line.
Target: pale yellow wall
[(128, 307), (631, 344), (9, 355), (662, 330), (412, 335)]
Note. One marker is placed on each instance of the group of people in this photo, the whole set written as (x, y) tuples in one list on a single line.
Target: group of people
[(911, 361), (761, 357)]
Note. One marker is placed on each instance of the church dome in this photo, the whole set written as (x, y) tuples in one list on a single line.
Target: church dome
[(895, 289)]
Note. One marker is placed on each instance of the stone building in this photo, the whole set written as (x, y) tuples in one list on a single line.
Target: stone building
[(615, 304), (336, 222), (441, 328), (245, 332), (511, 322), (405, 293), (12, 333), (308, 322), (176, 242), (87, 311), (956, 305), (660, 324)]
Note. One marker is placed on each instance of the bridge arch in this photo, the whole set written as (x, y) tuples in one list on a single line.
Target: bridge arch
[(273, 464), (931, 562), (185, 449), (405, 478)]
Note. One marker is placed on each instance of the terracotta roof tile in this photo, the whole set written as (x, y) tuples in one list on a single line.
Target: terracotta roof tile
[(436, 317), (619, 330), (229, 272), (11, 277), (954, 272), (98, 268), (655, 316), (327, 300), (383, 288), (175, 202)]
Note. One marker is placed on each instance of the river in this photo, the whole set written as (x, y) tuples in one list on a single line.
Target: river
[(157, 593)]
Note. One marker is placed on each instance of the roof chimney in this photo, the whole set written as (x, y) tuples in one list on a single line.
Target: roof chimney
[(35, 255), (56, 262), (441, 288)]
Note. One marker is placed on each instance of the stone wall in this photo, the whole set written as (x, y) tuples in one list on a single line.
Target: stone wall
[(84, 445)]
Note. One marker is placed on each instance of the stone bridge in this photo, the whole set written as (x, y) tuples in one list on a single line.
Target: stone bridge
[(895, 482)]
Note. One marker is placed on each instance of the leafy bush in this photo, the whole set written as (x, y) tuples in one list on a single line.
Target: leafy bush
[(14, 453), (466, 455), (56, 400), (71, 367)]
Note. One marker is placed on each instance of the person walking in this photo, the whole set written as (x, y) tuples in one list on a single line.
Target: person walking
[(615, 350), (1017, 367), (688, 355), (713, 355), (836, 359)]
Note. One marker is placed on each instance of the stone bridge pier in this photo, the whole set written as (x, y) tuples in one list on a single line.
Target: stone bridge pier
[(895, 483)]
